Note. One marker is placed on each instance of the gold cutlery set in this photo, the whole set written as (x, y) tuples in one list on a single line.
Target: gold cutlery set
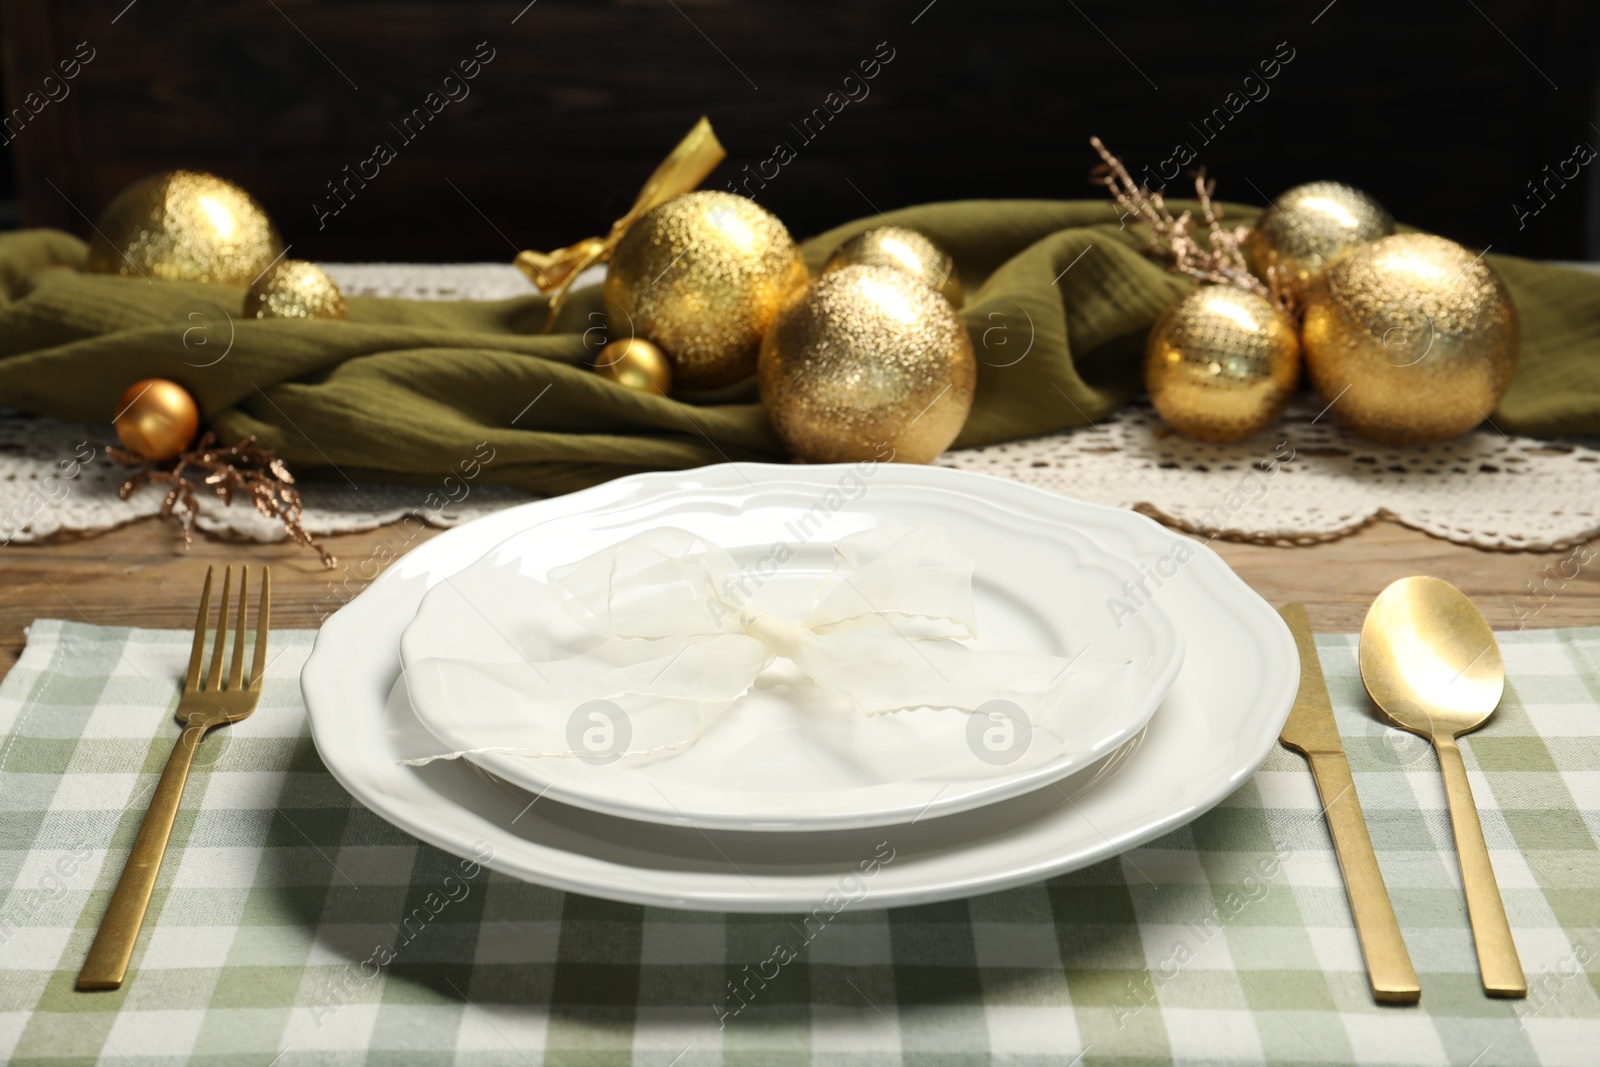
[(1431, 664), (1428, 660)]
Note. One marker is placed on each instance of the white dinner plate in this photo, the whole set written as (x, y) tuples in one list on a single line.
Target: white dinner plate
[(1216, 725), (787, 756)]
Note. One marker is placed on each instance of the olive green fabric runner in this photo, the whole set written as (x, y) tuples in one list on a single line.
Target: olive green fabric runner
[(1059, 300)]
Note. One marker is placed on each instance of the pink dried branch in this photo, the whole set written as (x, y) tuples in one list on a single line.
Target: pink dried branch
[(1217, 260), (245, 468)]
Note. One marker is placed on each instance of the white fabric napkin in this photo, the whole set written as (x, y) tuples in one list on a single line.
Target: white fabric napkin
[(665, 627)]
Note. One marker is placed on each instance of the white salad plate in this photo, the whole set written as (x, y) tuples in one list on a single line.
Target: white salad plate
[(1215, 726), (788, 755)]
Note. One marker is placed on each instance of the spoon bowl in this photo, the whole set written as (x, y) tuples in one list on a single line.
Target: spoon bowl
[(1429, 660), (1431, 663)]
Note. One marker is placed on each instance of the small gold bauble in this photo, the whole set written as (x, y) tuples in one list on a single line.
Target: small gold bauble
[(184, 225), (1411, 339), (1221, 363), (294, 289), (636, 364), (1310, 225), (156, 418), (867, 363), (703, 276), (903, 249)]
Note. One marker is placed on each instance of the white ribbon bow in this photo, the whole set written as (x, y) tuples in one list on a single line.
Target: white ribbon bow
[(671, 631)]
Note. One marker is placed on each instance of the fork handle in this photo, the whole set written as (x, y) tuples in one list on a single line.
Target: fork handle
[(113, 944), (1491, 931)]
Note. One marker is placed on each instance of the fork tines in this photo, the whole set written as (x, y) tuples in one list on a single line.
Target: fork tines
[(235, 681)]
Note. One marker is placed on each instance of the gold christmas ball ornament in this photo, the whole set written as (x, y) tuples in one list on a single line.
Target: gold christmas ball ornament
[(1221, 363), (867, 363), (703, 276), (184, 225), (1411, 339), (902, 249), (1310, 225), (294, 289), (156, 418), (636, 364)]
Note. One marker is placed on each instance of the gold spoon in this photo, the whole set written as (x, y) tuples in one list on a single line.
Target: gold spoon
[(1430, 662)]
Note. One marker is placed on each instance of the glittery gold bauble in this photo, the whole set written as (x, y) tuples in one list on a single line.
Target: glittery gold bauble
[(903, 249), (184, 226), (156, 418), (294, 289), (636, 364), (867, 363), (703, 276), (1221, 363), (1411, 339), (1310, 225)]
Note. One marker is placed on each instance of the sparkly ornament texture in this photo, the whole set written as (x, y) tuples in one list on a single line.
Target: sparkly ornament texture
[(702, 276), (156, 418), (867, 363), (184, 225), (1222, 363), (294, 289), (903, 249), (1310, 225), (1412, 339)]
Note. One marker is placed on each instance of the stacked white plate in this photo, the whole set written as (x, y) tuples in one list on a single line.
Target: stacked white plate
[(766, 812)]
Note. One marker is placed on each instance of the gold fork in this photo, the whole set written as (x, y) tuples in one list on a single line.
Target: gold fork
[(202, 706)]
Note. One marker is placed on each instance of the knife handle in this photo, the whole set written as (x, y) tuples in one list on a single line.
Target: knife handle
[(1389, 969)]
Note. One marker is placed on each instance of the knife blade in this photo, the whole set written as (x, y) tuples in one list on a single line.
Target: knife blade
[(1312, 731)]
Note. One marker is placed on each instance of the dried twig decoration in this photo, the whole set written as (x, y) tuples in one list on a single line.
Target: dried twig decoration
[(246, 469), (1218, 261)]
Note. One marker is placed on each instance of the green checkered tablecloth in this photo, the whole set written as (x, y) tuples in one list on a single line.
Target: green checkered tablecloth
[(278, 932)]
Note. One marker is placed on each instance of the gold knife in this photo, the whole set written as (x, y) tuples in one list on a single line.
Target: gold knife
[(1312, 732)]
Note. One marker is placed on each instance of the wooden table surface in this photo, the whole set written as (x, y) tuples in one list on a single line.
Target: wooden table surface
[(140, 575)]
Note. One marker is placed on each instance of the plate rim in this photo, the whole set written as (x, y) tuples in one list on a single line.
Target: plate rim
[(632, 883), (1165, 641)]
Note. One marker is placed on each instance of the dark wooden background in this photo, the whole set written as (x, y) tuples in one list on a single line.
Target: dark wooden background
[(1444, 109)]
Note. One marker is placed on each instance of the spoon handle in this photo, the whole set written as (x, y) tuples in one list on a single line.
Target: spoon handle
[(1491, 931)]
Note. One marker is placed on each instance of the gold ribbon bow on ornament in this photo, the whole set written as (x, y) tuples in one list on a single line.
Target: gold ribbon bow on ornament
[(696, 156)]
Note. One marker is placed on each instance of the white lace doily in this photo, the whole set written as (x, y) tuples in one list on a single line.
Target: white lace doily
[(55, 479), (1308, 480), (434, 281)]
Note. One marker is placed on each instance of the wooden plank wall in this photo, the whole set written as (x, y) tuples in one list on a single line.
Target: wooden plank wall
[(1445, 110)]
